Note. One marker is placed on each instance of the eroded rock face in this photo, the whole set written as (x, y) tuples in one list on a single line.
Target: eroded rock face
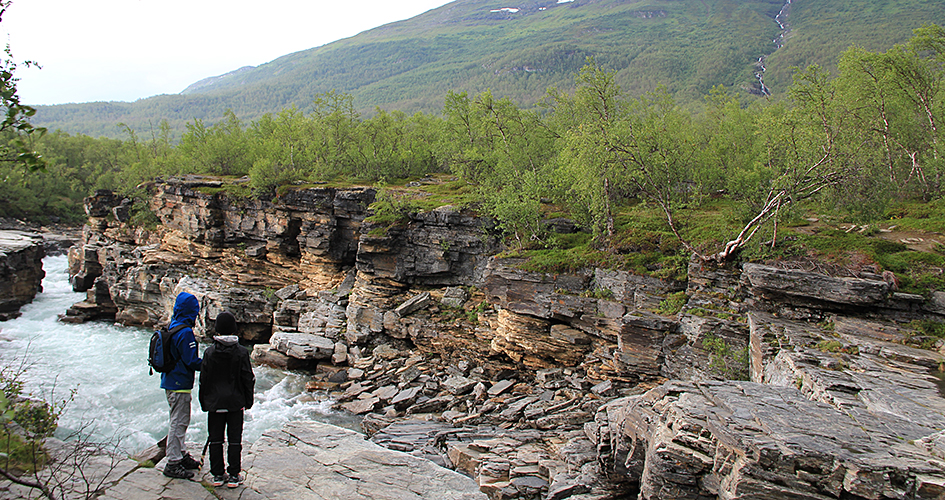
[(577, 385), (21, 271), (233, 245)]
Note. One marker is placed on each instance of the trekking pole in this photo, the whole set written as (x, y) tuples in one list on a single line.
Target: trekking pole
[(203, 454)]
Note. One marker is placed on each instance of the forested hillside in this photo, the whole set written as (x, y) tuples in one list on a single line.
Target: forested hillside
[(600, 177), (520, 50)]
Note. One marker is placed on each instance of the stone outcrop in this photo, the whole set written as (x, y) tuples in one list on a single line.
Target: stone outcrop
[(829, 413), (21, 270), (743, 439), (313, 460), (301, 461), (760, 382)]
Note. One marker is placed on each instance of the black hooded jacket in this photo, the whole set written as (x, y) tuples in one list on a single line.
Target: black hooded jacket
[(226, 376)]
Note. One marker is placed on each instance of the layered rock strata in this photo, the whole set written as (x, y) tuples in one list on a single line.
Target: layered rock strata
[(574, 385), (21, 271)]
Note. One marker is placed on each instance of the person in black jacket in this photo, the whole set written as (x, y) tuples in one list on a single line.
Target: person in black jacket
[(226, 390)]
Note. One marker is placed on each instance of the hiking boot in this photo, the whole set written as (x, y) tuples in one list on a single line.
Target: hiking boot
[(218, 480), (189, 463), (176, 470), (234, 480)]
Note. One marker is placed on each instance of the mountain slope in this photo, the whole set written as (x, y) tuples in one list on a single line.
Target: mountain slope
[(519, 50)]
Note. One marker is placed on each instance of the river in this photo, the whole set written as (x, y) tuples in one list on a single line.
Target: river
[(105, 365), (781, 19)]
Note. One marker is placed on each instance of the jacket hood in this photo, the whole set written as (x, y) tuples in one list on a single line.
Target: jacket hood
[(227, 340), (186, 308)]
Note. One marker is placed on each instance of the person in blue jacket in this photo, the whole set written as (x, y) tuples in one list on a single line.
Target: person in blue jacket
[(177, 385)]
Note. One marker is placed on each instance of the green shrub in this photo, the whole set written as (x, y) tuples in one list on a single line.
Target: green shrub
[(672, 304), (726, 362), (143, 217), (390, 208)]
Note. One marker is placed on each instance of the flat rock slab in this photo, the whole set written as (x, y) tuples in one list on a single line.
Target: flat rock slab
[(118, 479), (792, 282), (746, 440), (16, 241), (312, 460), (302, 345), (886, 388), (151, 484)]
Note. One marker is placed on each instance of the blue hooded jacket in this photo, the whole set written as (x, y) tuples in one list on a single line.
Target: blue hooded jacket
[(183, 345)]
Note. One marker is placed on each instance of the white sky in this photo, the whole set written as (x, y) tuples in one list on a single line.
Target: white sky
[(124, 50)]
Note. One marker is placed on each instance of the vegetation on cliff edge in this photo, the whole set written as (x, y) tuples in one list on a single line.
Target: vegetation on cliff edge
[(647, 183)]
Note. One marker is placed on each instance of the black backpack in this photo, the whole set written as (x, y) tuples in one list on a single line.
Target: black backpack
[(159, 352)]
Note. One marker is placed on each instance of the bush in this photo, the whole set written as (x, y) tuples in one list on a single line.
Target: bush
[(672, 304)]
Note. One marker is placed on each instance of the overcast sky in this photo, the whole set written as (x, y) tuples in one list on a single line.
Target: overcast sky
[(124, 50)]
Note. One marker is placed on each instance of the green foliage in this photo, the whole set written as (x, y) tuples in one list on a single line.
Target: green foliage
[(457, 192), (22, 451), (16, 127), (726, 362), (472, 315), (36, 417), (673, 303), (931, 329), (599, 293), (221, 149), (829, 346), (504, 151), (560, 260), (688, 45), (391, 207), (652, 181)]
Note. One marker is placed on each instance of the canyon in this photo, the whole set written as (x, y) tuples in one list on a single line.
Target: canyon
[(770, 381)]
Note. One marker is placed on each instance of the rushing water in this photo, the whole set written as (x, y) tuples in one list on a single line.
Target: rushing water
[(778, 43), (106, 366)]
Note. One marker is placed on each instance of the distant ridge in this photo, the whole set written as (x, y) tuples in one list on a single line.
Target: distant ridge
[(209, 82), (520, 49)]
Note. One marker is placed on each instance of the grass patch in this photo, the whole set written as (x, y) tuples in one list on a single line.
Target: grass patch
[(458, 193), (232, 190), (929, 331), (917, 272), (562, 260)]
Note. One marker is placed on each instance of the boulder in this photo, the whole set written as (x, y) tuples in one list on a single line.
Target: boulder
[(303, 346)]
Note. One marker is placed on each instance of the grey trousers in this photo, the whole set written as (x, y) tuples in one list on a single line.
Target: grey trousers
[(179, 403)]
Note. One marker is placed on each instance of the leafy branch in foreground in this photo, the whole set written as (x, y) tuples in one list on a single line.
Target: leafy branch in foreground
[(75, 467), (16, 114)]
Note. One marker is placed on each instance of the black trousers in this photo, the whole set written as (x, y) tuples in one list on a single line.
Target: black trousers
[(230, 422)]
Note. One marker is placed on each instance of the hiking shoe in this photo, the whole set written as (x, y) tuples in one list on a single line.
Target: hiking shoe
[(218, 480), (234, 480), (189, 463), (176, 470)]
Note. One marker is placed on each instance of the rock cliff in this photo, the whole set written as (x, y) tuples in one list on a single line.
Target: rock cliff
[(770, 381), (21, 270)]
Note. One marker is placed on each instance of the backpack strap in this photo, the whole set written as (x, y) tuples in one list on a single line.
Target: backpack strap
[(170, 337), (177, 328)]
